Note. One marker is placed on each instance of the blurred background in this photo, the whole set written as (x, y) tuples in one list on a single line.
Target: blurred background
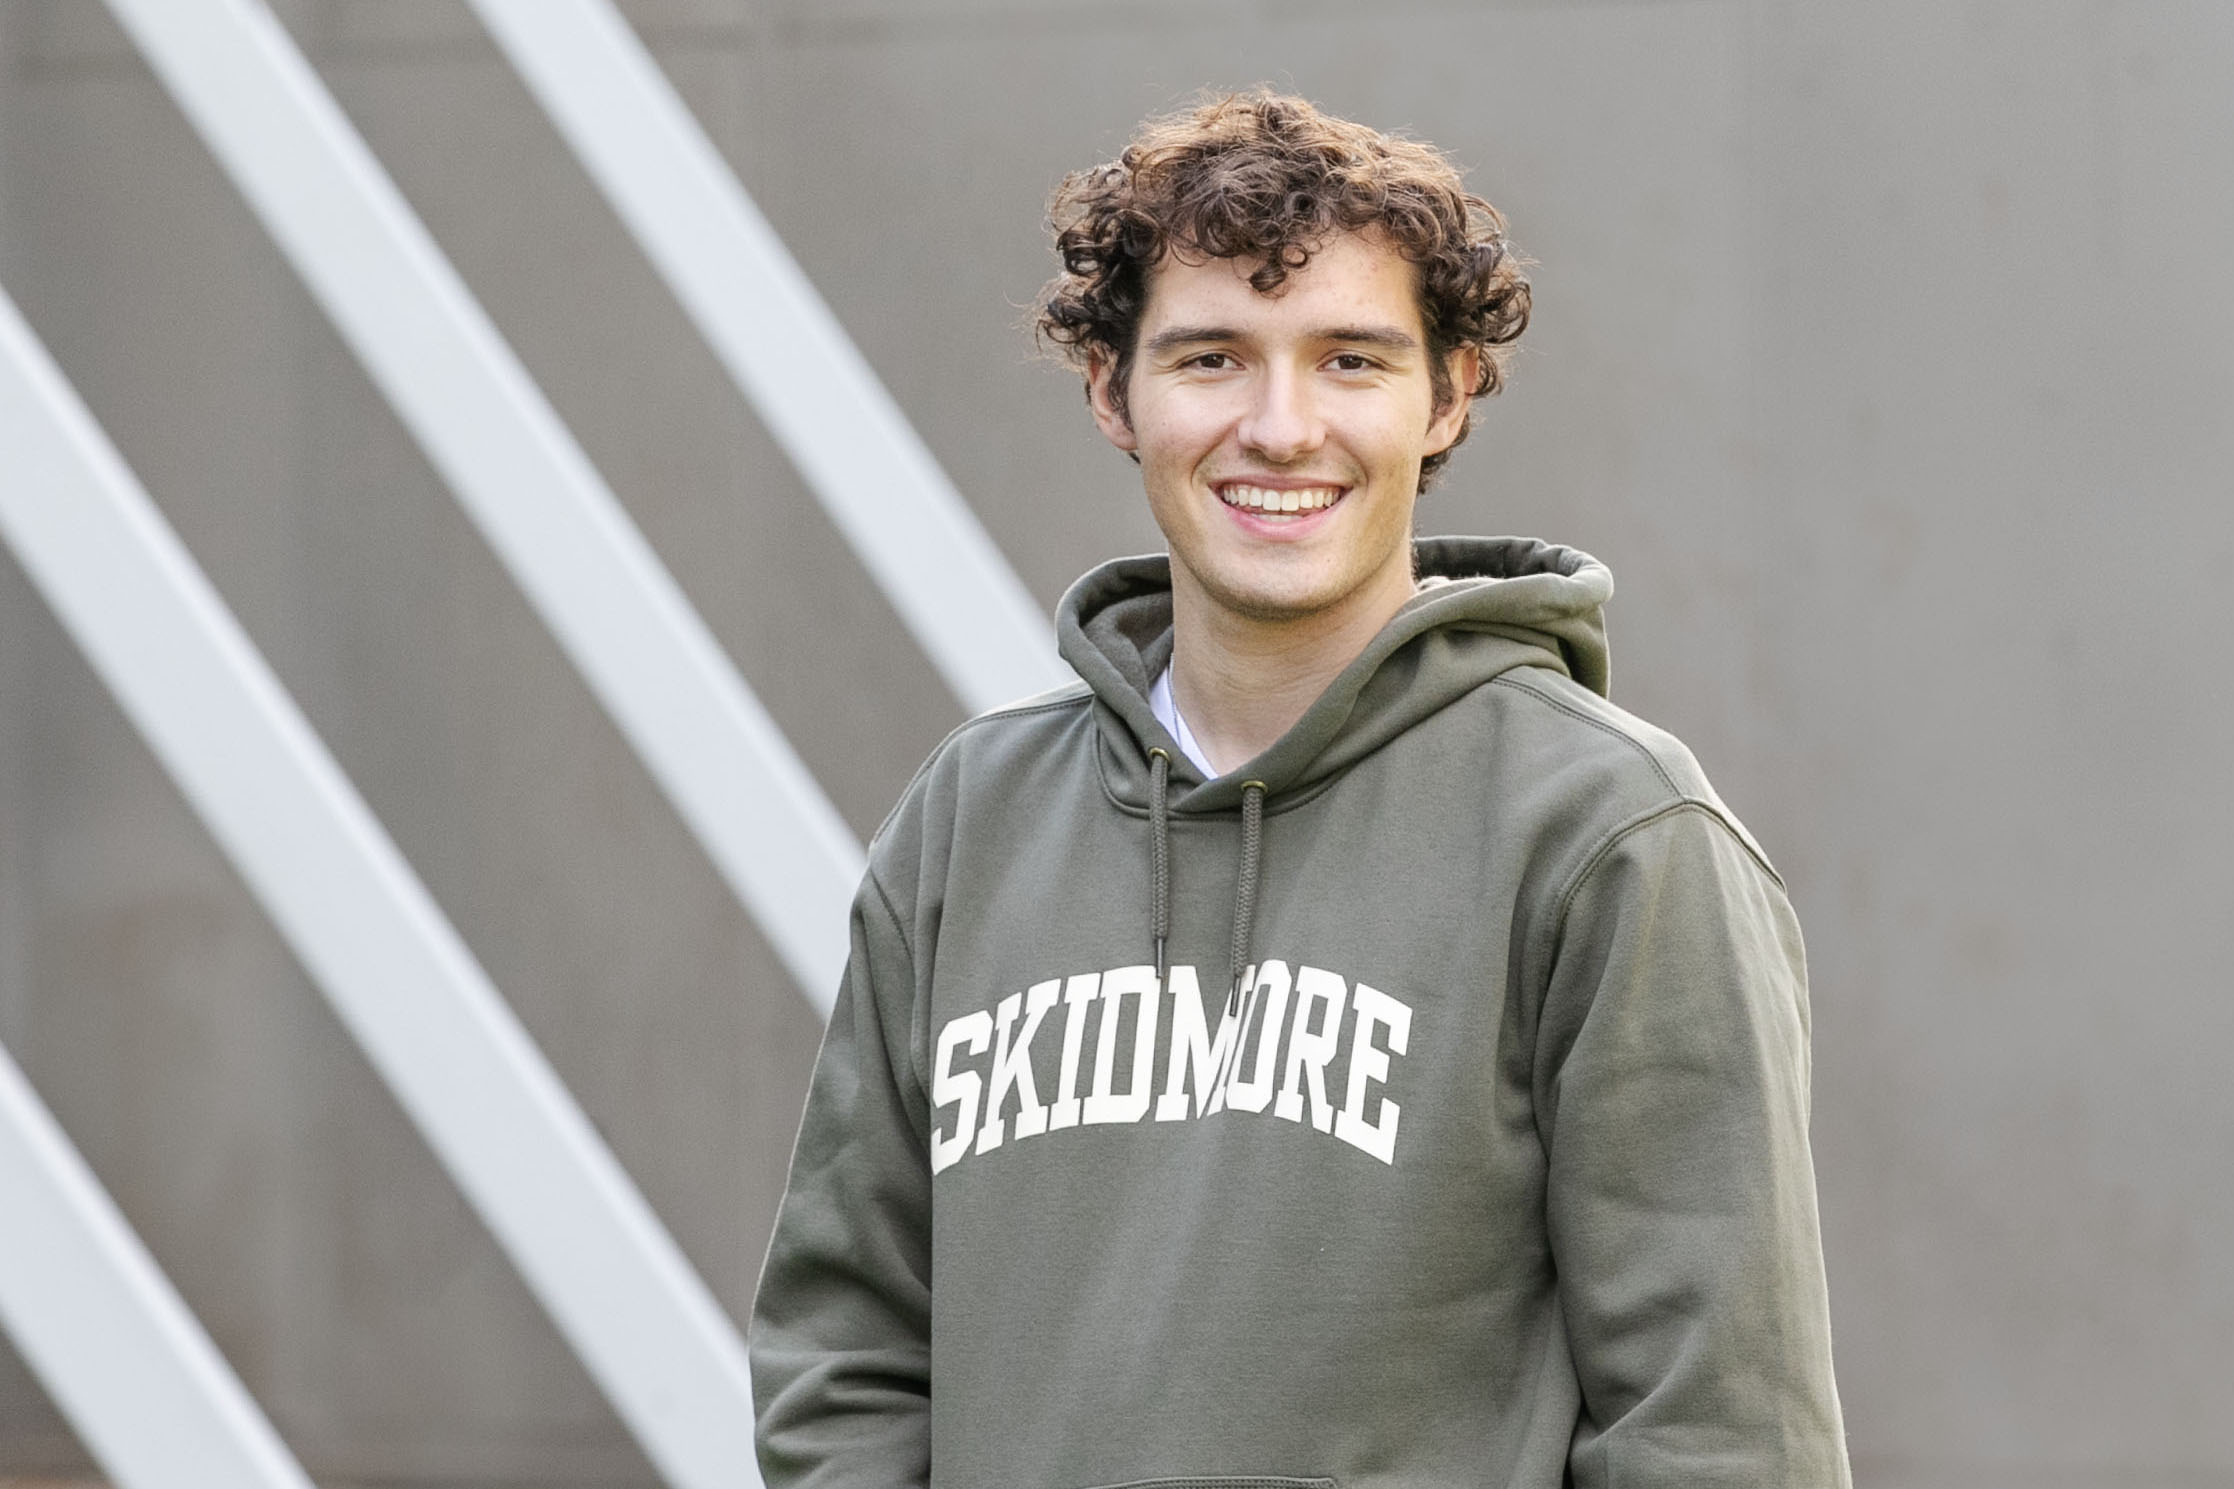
[(1884, 350)]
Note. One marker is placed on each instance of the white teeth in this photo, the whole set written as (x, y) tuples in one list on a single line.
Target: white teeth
[(1265, 499)]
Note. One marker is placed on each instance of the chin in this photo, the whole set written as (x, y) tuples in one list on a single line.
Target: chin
[(1273, 602)]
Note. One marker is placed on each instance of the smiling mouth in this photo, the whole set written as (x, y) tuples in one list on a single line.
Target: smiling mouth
[(1266, 501)]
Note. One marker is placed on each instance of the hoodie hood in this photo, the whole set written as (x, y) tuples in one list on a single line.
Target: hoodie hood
[(1484, 606)]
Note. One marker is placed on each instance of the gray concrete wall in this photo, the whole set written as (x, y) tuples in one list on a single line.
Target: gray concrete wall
[(1885, 352)]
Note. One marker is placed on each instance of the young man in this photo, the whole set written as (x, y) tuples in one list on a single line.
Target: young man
[(1331, 1045)]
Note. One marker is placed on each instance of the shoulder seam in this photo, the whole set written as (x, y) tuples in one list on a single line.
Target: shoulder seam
[(900, 932), (1621, 831), (884, 898), (1013, 710), (1506, 679)]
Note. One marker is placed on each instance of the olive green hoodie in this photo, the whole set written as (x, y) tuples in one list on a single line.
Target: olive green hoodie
[(1489, 1168)]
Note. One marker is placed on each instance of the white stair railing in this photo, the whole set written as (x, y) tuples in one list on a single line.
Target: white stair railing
[(99, 1323), (396, 972), (515, 468), (785, 350)]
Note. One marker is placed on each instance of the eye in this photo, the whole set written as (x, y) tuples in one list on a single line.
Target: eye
[(1351, 361), (1211, 361)]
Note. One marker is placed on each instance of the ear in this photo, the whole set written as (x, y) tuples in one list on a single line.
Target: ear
[(1466, 371), (1115, 427)]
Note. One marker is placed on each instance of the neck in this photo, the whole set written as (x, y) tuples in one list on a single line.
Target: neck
[(1242, 682)]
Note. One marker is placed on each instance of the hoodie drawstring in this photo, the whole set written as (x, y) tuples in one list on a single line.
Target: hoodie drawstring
[(1245, 886), (1159, 872), (1159, 856)]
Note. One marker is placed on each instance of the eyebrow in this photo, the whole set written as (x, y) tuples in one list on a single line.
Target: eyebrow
[(1385, 336), (1382, 336), (1177, 336)]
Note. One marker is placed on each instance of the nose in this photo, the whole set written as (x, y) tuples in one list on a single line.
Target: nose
[(1282, 424)]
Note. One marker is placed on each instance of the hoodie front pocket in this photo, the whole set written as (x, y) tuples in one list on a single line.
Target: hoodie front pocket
[(1229, 1483)]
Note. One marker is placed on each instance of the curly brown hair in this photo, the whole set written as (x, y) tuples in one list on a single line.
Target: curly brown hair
[(1268, 177)]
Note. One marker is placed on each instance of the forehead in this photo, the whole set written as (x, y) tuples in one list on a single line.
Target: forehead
[(1351, 279)]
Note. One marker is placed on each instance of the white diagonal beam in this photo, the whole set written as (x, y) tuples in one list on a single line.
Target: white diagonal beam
[(395, 970), (101, 1326), (516, 469), (781, 344)]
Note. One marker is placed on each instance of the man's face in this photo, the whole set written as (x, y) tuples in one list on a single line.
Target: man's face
[(1280, 437)]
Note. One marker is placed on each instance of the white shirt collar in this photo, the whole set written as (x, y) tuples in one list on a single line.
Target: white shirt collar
[(1166, 709)]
